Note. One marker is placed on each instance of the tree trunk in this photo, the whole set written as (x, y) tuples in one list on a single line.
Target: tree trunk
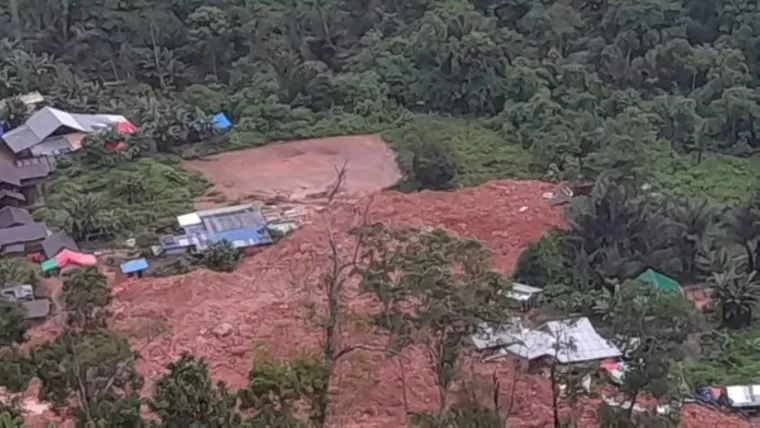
[(15, 20), (633, 403), (750, 257), (555, 397)]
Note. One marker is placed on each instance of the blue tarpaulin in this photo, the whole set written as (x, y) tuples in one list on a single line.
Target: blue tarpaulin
[(220, 121), (133, 266)]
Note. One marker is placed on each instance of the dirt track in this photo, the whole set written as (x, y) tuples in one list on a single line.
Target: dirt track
[(299, 170)]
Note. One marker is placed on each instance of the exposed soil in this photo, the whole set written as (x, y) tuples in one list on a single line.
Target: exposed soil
[(298, 170), (223, 317)]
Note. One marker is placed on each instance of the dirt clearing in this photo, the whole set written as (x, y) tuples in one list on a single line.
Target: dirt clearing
[(300, 170)]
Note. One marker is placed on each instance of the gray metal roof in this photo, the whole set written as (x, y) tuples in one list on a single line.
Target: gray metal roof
[(24, 294), (22, 234), (222, 219), (32, 171), (12, 216), (18, 292), (48, 121), (42, 124), (56, 242), (569, 341), (36, 309), (15, 174), (13, 195), (48, 161)]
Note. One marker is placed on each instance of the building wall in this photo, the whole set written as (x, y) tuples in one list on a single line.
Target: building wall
[(6, 154), (32, 193)]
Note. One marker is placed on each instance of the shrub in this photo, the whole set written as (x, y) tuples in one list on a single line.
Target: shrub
[(433, 166), (545, 262), (221, 257), (15, 372)]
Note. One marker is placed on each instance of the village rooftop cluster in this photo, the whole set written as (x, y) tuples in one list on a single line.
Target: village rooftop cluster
[(28, 156)]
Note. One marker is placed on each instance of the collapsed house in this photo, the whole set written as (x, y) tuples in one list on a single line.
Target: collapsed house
[(569, 341), (242, 225)]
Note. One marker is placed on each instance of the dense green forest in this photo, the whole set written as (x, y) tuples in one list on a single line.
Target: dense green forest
[(657, 100), (660, 90)]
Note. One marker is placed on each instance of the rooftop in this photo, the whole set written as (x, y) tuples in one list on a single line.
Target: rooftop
[(12, 216), (49, 122), (22, 234), (38, 308), (55, 243), (16, 175), (570, 341), (135, 265), (522, 292), (221, 219)]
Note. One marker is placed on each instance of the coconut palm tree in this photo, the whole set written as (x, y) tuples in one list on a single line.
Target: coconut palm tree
[(736, 294)]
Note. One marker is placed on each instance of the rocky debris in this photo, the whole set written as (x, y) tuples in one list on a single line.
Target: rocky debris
[(223, 330), (264, 303)]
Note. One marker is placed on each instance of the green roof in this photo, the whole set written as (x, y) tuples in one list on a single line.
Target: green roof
[(48, 265), (660, 281)]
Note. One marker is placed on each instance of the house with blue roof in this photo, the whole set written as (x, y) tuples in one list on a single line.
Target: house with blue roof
[(134, 268), (242, 225)]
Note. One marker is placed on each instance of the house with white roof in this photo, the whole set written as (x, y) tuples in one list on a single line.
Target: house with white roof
[(570, 341)]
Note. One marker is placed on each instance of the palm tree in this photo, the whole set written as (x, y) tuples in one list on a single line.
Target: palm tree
[(86, 218), (736, 295), (743, 227), (695, 219)]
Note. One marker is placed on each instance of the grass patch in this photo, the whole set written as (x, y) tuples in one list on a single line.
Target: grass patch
[(144, 195), (282, 123), (723, 180), (480, 153), (728, 357)]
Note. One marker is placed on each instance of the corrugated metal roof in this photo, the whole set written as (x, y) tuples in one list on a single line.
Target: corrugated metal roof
[(240, 238), (55, 243), (52, 146), (18, 292), (47, 121), (13, 195), (12, 216), (21, 234), (570, 341), (522, 292), (497, 336), (35, 309), (48, 161), (32, 171), (135, 265), (744, 395), (221, 219), (225, 210), (247, 237)]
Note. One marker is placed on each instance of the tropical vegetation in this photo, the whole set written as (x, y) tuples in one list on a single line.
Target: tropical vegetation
[(657, 102)]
